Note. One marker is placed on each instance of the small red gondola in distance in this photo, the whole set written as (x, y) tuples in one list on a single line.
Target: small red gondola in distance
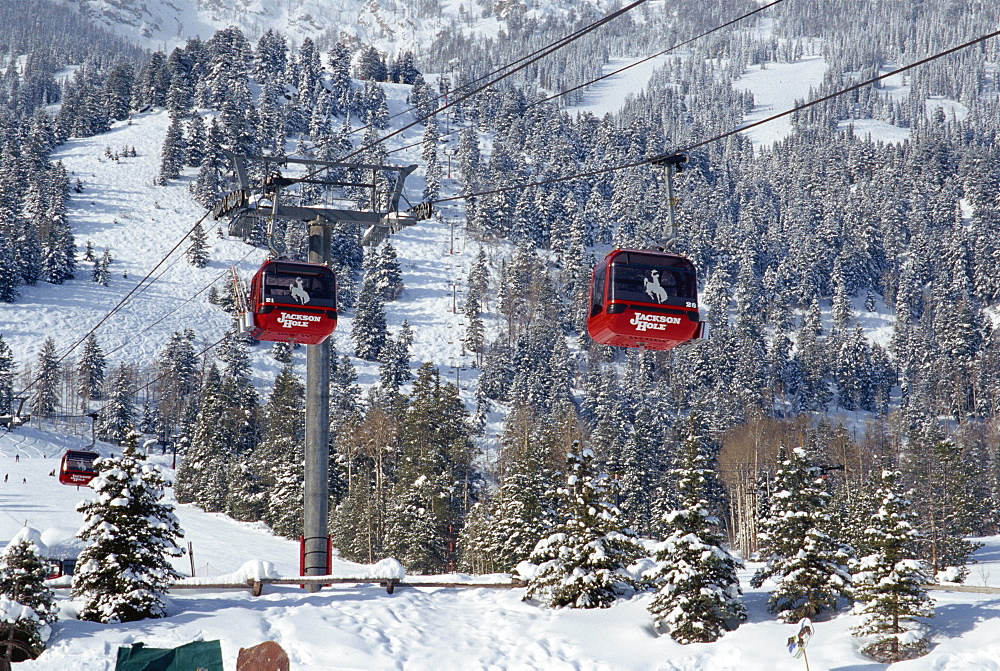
[(644, 299), (77, 467), (293, 301)]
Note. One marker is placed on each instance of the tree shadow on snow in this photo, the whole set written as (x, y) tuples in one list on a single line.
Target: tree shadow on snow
[(756, 605), (954, 619)]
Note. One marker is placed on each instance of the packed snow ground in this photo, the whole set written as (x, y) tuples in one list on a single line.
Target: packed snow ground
[(363, 627)]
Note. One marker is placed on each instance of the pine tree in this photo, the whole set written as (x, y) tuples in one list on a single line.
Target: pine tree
[(947, 505), (90, 370), (429, 152), (46, 399), (412, 530), (123, 573), (808, 566), (888, 582), (197, 253), (202, 472), (582, 563), (371, 65), (699, 591), (388, 276), (434, 470), (196, 141), (174, 153), (9, 279), (368, 329), (178, 366), (522, 510), (22, 579), (395, 367), (281, 453), (58, 245), (209, 185), (118, 416), (27, 605), (7, 368), (101, 273)]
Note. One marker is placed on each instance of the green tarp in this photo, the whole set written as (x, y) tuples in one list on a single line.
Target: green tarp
[(196, 656)]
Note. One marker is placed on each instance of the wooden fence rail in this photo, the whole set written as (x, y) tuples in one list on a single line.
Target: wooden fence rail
[(964, 588), (256, 585)]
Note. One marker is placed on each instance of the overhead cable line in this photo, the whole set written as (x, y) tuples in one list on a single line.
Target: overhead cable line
[(657, 55), (134, 291), (185, 302), (552, 45), (623, 69), (722, 136), (551, 49)]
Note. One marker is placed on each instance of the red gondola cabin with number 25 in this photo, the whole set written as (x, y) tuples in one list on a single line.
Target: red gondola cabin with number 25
[(293, 301), (644, 299)]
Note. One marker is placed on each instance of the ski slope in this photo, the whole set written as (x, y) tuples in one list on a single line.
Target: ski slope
[(142, 225)]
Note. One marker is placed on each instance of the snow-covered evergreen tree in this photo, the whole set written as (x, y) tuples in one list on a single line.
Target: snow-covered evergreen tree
[(173, 153), (281, 453), (699, 591), (582, 563), (429, 152), (388, 276), (197, 253), (202, 472), (90, 370), (888, 582), (102, 272), (9, 280), (17, 623), (27, 604), (47, 386), (412, 527), (22, 579), (368, 329), (7, 368), (395, 367), (809, 567), (118, 416), (523, 509), (124, 572)]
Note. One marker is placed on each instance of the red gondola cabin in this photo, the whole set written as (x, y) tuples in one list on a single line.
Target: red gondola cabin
[(644, 299), (77, 468), (293, 301)]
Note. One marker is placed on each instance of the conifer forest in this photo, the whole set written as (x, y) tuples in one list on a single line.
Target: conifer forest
[(850, 280)]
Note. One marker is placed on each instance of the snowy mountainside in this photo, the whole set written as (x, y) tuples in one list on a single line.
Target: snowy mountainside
[(396, 23), (122, 211)]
